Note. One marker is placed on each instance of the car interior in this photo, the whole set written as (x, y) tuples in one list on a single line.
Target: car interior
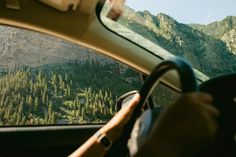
[(68, 27)]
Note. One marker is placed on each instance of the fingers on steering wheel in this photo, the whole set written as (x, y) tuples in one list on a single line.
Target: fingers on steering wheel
[(133, 102), (125, 112)]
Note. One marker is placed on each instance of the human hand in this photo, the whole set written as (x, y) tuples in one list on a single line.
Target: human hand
[(183, 128), (114, 128)]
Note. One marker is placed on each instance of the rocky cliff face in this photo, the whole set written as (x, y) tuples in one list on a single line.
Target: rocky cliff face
[(20, 47), (230, 39), (224, 30), (210, 48)]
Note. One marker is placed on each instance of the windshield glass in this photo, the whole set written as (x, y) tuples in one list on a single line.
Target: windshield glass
[(203, 32)]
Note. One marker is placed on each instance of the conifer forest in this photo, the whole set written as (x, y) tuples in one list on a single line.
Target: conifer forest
[(69, 93)]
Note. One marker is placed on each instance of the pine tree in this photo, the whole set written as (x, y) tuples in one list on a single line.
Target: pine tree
[(50, 108), (30, 102), (46, 118), (39, 78), (21, 107), (54, 79), (18, 120), (53, 118), (55, 90), (36, 104), (23, 121), (44, 97)]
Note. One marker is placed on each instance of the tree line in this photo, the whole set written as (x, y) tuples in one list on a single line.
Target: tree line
[(68, 93)]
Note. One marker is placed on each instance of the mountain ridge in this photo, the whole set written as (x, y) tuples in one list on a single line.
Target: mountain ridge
[(207, 53), (215, 28), (223, 30)]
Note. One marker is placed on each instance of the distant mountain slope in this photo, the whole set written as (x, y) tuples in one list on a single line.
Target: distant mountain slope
[(224, 30), (21, 47), (217, 29), (230, 39), (207, 53)]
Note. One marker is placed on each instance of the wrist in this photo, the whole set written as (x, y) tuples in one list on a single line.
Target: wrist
[(103, 139), (111, 133)]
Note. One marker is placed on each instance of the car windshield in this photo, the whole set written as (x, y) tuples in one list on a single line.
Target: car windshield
[(203, 32)]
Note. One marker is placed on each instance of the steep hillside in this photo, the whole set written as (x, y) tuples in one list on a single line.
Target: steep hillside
[(224, 30), (219, 28), (230, 39), (20, 47), (207, 53)]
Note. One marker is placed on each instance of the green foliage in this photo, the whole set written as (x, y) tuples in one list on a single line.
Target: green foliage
[(71, 93)]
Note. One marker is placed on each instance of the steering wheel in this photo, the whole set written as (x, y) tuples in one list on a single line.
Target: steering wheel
[(223, 91)]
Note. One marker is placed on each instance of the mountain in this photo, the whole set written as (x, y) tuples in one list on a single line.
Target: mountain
[(230, 39), (210, 48), (22, 47), (217, 29), (224, 30)]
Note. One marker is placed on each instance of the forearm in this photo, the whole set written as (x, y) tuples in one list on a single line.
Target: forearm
[(95, 146), (89, 149)]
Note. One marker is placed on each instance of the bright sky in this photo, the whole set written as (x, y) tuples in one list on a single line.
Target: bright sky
[(188, 11)]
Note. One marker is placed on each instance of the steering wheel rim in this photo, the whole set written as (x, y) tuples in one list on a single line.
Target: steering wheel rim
[(226, 137), (187, 81), (186, 76)]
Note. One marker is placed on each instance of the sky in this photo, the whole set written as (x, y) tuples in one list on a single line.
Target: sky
[(188, 11)]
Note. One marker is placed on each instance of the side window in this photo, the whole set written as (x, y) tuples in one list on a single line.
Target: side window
[(49, 81)]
